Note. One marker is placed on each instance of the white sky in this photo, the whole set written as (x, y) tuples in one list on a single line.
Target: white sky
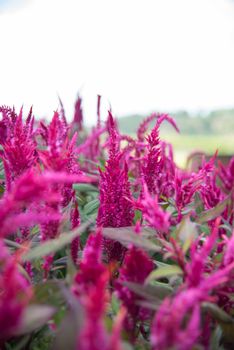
[(141, 55)]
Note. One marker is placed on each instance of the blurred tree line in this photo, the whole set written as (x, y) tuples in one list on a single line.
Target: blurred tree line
[(216, 122)]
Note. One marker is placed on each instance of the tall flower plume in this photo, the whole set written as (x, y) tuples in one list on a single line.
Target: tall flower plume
[(19, 147), (136, 267), (115, 209)]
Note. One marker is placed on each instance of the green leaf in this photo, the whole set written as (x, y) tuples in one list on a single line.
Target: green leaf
[(48, 292), (115, 304), (91, 207), (204, 228), (155, 292), (53, 245), (186, 232), (216, 338), (219, 315), (12, 244), (85, 188), (225, 321), (68, 333), (127, 236), (164, 271), (21, 344), (34, 317), (214, 212)]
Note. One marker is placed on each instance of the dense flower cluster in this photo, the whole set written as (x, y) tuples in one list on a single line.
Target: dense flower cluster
[(105, 243)]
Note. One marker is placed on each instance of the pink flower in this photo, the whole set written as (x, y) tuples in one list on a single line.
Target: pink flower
[(15, 293), (19, 148), (91, 267), (227, 175), (177, 322), (152, 212), (89, 286), (75, 222), (135, 268), (196, 267), (78, 114), (94, 302), (115, 209)]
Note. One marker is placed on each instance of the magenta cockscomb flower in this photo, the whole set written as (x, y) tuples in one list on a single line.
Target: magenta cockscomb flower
[(210, 192), (78, 115), (152, 211), (91, 149), (186, 185), (228, 257), (91, 266), (146, 122), (27, 189), (6, 124), (15, 293), (151, 168), (59, 155), (154, 164), (196, 268), (55, 134), (89, 286), (75, 222), (156, 167), (166, 178), (226, 174), (135, 268), (94, 302), (116, 208), (19, 148), (177, 322)]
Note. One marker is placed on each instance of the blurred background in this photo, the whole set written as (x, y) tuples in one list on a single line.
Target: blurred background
[(172, 56)]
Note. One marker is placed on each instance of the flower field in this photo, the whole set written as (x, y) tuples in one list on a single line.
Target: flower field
[(106, 244)]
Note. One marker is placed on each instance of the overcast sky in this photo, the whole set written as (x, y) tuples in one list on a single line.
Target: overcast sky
[(140, 55)]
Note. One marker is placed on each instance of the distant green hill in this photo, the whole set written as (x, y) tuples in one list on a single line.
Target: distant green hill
[(206, 133), (216, 122)]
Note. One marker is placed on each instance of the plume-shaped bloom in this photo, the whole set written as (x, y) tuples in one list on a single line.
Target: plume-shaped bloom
[(7, 123), (60, 155), (154, 164), (196, 268), (75, 222), (91, 149), (91, 267), (90, 287), (152, 212), (227, 175), (55, 134), (229, 253), (19, 148), (27, 189), (186, 185), (144, 126), (210, 192), (166, 179), (136, 267), (115, 209), (15, 293), (78, 115), (95, 303), (177, 322)]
